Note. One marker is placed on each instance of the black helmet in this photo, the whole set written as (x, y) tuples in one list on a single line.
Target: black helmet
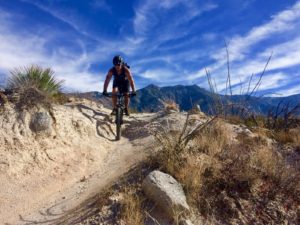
[(117, 60)]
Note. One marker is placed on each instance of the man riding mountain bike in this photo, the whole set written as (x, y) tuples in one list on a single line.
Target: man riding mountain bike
[(122, 80)]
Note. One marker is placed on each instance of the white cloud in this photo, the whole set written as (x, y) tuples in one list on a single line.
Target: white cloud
[(271, 81), (18, 50), (239, 46), (162, 76), (244, 62), (148, 14), (285, 55), (288, 91), (157, 74)]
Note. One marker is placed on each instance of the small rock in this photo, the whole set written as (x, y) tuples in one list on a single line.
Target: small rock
[(40, 121)]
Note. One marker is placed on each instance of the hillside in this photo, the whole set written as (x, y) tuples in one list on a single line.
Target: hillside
[(74, 172), (65, 164)]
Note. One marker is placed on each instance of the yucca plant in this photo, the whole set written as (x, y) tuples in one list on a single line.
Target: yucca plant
[(35, 77), (34, 86)]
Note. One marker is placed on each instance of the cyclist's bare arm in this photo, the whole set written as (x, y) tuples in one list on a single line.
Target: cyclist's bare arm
[(107, 80), (129, 77)]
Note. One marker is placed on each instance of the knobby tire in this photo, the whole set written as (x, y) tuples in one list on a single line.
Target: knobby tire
[(119, 115)]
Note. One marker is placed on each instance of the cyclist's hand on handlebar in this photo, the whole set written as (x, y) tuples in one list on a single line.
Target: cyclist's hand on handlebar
[(105, 93), (133, 94)]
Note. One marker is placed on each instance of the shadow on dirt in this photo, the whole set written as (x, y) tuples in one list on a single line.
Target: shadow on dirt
[(104, 123), (88, 211), (80, 213), (133, 128)]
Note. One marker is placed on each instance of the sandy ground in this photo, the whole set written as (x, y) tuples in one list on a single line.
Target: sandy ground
[(45, 175)]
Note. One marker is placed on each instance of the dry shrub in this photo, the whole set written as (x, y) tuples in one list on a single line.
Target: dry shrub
[(190, 175), (131, 207), (289, 136), (212, 140), (243, 165), (3, 98), (30, 97), (232, 182), (170, 104), (231, 174), (60, 98), (169, 158), (175, 145), (295, 134), (266, 161), (234, 119), (283, 136)]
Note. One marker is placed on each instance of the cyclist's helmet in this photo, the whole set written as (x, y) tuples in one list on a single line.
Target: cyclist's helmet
[(117, 60)]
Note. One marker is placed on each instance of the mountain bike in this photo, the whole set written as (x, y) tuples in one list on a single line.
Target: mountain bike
[(119, 112)]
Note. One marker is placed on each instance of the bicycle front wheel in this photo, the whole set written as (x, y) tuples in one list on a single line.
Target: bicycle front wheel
[(119, 117)]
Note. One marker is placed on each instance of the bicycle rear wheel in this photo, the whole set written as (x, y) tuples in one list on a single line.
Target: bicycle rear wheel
[(119, 118)]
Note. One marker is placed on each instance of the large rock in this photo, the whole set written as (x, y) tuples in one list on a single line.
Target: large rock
[(40, 121), (164, 190)]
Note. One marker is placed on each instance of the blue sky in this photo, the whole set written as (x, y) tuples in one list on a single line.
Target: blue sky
[(166, 42)]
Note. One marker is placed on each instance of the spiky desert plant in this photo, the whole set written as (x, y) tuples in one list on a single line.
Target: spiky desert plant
[(35, 77), (35, 86)]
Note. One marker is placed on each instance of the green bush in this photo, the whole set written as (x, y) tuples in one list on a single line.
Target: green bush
[(35, 76), (34, 86)]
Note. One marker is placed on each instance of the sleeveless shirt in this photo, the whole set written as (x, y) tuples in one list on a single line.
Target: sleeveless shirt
[(119, 77)]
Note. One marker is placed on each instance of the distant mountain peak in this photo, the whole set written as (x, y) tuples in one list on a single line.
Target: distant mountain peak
[(152, 86)]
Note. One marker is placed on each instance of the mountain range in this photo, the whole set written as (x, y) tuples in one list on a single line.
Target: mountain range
[(151, 98)]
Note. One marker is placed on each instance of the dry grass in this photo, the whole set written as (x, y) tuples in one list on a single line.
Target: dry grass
[(170, 105), (30, 97), (212, 140), (222, 178), (243, 182), (131, 207), (291, 136)]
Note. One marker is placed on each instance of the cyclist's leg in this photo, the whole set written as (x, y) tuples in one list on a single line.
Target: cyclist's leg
[(114, 98), (124, 88), (114, 91)]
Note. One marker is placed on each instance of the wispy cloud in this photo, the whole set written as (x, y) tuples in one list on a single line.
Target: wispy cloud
[(17, 50), (165, 41), (290, 90), (281, 23), (65, 17), (56, 14), (285, 55), (101, 4), (245, 60), (149, 13)]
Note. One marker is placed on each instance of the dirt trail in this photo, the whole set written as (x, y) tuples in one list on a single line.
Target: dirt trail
[(123, 156), (45, 176)]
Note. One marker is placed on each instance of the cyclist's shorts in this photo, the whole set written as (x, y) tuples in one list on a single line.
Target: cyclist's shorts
[(122, 85)]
